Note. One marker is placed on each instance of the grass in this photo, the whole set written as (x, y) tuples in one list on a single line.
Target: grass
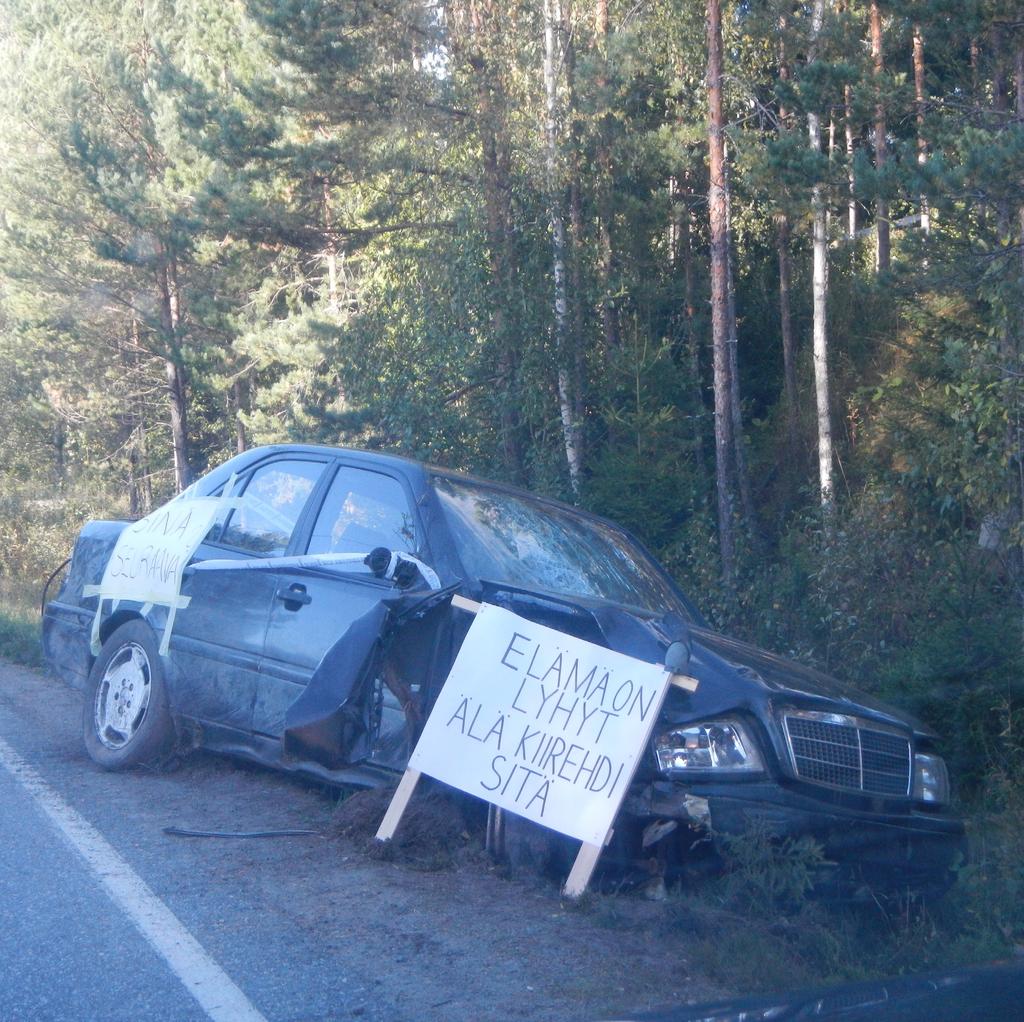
[(756, 929), (20, 624)]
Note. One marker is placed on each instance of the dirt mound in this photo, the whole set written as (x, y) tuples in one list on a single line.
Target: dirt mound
[(436, 828)]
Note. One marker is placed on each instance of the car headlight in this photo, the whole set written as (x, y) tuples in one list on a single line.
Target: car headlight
[(931, 781), (720, 745)]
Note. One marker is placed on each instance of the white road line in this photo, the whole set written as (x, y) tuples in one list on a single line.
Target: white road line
[(202, 977)]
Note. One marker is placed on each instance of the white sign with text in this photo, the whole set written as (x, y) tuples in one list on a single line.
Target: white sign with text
[(542, 724), (150, 556)]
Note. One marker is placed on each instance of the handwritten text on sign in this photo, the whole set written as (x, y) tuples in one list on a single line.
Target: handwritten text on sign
[(541, 723), (151, 554), (149, 558)]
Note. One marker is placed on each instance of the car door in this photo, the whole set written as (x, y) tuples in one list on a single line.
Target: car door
[(218, 638), (363, 509)]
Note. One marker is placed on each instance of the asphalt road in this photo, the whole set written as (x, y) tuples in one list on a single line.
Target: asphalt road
[(67, 949), (103, 916)]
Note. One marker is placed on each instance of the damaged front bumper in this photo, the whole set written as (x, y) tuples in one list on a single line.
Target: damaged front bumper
[(878, 844)]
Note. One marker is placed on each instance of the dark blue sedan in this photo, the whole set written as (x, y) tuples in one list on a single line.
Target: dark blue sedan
[(313, 627)]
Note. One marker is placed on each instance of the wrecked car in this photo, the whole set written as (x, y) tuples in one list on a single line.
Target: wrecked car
[(314, 628)]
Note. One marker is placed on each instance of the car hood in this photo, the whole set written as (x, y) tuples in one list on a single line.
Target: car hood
[(784, 680), (732, 674)]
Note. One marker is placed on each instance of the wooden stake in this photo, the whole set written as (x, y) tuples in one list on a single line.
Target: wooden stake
[(583, 868), (403, 793), (684, 681)]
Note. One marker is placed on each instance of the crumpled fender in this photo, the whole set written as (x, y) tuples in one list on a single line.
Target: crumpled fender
[(330, 722), (326, 719)]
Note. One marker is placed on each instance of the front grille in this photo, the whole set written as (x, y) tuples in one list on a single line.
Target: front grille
[(844, 752)]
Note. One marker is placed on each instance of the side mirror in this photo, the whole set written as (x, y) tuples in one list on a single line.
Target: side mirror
[(677, 657), (378, 560)]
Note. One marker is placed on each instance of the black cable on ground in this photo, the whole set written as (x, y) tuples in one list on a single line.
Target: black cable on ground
[(182, 832)]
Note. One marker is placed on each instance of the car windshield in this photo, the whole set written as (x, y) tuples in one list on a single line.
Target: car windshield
[(506, 537)]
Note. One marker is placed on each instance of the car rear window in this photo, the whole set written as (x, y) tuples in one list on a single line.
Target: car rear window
[(269, 508)]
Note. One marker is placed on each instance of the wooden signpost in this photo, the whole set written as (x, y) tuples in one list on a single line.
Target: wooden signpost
[(542, 724)]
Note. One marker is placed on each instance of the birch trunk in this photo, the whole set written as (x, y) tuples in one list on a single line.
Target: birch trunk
[(851, 177), (883, 256), (820, 286), (719, 226), (552, 58), (330, 254), (920, 110)]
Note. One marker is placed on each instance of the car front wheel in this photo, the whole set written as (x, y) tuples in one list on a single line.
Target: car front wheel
[(126, 720)]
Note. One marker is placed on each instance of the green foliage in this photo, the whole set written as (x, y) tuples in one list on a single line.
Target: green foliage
[(765, 874), (990, 897), (756, 954), (37, 531), (20, 636)]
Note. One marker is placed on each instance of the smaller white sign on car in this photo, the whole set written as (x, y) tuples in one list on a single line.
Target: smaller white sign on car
[(149, 559)]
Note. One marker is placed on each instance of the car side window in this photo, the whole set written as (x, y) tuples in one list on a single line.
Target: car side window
[(363, 510), (270, 506)]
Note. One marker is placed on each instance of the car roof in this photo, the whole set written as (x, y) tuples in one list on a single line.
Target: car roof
[(414, 469), (418, 474)]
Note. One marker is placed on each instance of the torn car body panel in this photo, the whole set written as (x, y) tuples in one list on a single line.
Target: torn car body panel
[(300, 649)]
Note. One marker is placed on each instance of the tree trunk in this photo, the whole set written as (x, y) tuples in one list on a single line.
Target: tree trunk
[(330, 253), (177, 399), (848, 135), (685, 252), (820, 286), (1013, 374), (174, 370), (1019, 81), (502, 260), (577, 231), (719, 226), (603, 186), (782, 242), (239, 403), (851, 177), (920, 109), (552, 58), (140, 489), (735, 407), (883, 256), (60, 443)]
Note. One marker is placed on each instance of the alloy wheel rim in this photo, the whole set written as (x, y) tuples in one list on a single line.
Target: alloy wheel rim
[(122, 697)]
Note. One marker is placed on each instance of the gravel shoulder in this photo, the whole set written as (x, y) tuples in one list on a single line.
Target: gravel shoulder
[(318, 928)]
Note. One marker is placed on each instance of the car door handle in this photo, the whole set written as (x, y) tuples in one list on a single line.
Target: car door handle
[(294, 594)]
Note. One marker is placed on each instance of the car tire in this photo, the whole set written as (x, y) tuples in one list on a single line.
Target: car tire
[(126, 720)]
